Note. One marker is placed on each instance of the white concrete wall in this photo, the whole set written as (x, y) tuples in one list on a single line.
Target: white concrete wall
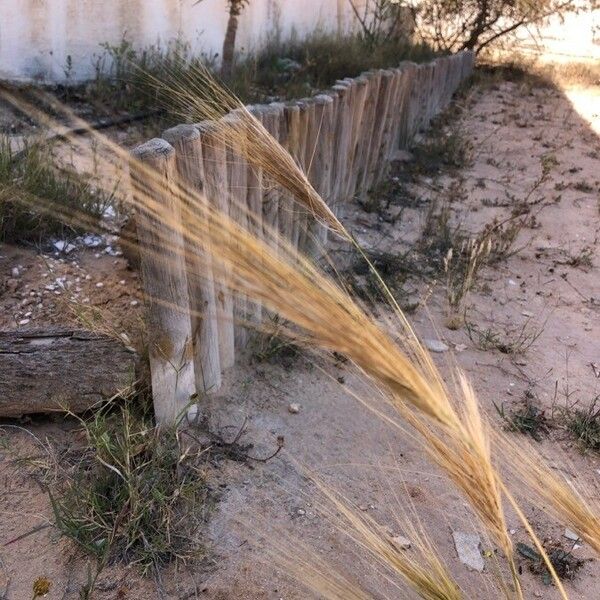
[(37, 36)]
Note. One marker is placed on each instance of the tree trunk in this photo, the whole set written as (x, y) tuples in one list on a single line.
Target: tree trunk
[(229, 42)]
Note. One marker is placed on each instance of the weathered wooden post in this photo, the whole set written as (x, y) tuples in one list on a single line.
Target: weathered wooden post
[(286, 201), (271, 121), (305, 115), (342, 134), (320, 170), (405, 126), (292, 143), (237, 183), (361, 89), (214, 155), (377, 157), (254, 202), (162, 260), (366, 131), (190, 169)]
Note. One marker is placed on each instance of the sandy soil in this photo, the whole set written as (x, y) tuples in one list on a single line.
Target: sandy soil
[(272, 512)]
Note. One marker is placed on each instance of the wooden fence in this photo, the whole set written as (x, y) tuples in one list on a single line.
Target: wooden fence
[(343, 138)]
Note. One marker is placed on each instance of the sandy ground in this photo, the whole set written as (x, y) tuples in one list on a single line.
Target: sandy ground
[(272, 512)]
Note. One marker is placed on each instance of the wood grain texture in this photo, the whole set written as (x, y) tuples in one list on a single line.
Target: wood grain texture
[(56, 369), (162, 260), (186, 141), (214, 155), (237, 185)]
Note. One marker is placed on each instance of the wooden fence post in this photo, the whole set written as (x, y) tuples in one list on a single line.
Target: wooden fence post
[(360, 87), (271, 119), (292, 143), (400, 134), (320, 169), (162, 259), (214, 154), (378, 156), (367, 127), (342, 134), (185, 139), (237, 184), (305, 115), (395, 114), (254, 201), (286, 202)]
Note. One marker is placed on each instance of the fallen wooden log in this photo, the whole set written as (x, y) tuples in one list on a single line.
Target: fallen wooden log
[(45, 371)]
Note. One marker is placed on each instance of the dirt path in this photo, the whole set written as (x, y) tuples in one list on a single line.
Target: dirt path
[(528, 143)]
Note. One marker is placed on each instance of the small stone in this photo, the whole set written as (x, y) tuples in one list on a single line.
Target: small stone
[(294, 408), (460, 347), (99, 285), (122, 282), (15, 272), (23, 321), (63, 246), (571, 535), (134, 303), (527, 313), (435, 345), (300, 512), (401, 542), (468, 549), (92, 241)]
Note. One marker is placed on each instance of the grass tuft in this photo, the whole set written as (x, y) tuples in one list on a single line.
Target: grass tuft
[(136, 496), (31, 174), (584, 424)]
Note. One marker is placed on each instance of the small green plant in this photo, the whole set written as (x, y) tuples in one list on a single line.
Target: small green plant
[(461, 271), (564, 563), (582, 258), (137, 495), (584, 424), (526, 417), (272, 345), (394, 270), (29, 175), (500, 237), (509, 340), (439, 236), (446, 148)]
